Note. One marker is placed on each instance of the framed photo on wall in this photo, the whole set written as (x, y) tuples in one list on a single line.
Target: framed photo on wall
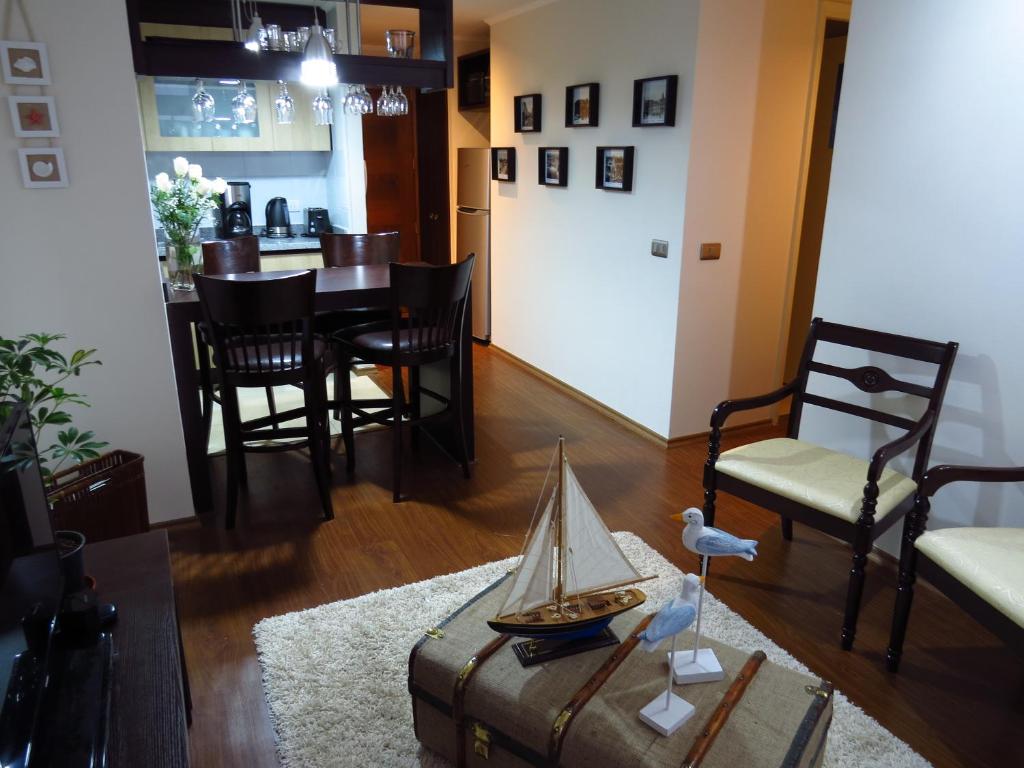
[(24, 63), (654, 101), (553, 166), (527, 113), (34, 116), (42, 168), (614, 169), (582, 103), (503, 163)]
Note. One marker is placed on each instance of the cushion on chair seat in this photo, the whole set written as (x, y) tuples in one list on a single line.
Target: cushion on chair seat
[(989, 561), (825, 480), (269, 356), (380, 341)]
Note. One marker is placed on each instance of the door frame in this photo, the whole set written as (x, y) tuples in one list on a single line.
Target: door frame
[(827, 9)]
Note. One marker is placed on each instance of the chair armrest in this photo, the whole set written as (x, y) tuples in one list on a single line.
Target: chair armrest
[(936, 477), (727, 407), (899, 445)]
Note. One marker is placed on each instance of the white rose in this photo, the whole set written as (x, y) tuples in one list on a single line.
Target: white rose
[(163, 182), (195, 171), (204, 187), (219, 186), (180, 166)]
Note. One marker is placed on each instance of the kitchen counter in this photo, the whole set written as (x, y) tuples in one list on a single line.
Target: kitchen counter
[(295, 243)]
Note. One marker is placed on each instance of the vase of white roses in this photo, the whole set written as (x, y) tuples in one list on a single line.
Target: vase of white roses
[(180, 204)]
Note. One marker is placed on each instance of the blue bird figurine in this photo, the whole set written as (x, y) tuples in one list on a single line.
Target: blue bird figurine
[(712, 542), (675, 616)]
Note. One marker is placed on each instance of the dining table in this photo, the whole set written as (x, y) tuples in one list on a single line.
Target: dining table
[(336, 288)]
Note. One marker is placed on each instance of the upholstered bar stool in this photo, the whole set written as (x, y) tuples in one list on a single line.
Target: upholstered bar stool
[(262, 336), (428, 310)]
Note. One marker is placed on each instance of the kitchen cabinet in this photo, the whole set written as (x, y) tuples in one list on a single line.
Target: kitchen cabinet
[(166, 105)]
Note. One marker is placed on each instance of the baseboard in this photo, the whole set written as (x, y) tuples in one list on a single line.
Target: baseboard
[(173, 523), (738, 429)]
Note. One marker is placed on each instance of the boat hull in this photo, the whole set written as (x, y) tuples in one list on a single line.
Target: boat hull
[(585, 625)]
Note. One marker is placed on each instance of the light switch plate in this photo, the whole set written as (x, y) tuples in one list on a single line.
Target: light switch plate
[(710, 251), (659, 248)]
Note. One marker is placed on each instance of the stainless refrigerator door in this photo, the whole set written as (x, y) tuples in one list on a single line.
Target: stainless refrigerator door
[(474, 179), (473, 235)]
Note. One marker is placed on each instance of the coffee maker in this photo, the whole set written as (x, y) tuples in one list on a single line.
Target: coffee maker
[(235, 211)]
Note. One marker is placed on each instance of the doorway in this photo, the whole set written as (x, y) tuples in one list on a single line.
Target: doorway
[(819, 170)]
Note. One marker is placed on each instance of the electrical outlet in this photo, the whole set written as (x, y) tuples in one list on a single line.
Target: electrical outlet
[(659, 248), (710, 251)]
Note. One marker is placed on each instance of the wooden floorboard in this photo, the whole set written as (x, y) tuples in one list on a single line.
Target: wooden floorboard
[(959, 699)]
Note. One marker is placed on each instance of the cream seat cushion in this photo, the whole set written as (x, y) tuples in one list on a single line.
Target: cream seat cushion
[(828, 481), (989, 561)]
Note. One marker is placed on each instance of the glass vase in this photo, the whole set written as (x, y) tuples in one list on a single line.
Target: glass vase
[(182, 264)]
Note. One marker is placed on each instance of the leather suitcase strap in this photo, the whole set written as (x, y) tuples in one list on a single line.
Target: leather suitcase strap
[(565, 718), (702, 744), (459, 695)]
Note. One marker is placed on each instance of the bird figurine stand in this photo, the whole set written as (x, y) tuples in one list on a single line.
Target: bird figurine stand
[(702, 665), (666, 713)]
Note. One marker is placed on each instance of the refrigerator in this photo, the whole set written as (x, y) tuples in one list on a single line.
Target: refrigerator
[(473, 230)]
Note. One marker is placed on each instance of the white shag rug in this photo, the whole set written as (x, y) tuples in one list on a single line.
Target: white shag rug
[(335, 675), (252, 404)]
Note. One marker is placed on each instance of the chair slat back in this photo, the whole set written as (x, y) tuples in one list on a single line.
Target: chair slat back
[(873, 379), (428, 304), (259, 327), (231, 257), (345, 250)]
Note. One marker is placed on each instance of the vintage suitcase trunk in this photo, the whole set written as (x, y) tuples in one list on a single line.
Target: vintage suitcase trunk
[(474, 704)]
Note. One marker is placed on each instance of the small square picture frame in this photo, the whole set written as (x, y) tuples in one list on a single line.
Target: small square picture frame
[(24, 63), (34, 117), (582, 105), (527, 113), (654, 101), (553, 166), (614, 169), (503, 163), (43, 168)]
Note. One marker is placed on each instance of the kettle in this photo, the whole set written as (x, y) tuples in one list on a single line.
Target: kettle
[(278, 220)]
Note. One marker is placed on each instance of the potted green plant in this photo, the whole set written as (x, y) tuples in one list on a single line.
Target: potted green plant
[(180, 204)]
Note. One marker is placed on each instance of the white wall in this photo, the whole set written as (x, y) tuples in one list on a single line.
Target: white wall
[(924, 231), (65, 267), (575, 289)]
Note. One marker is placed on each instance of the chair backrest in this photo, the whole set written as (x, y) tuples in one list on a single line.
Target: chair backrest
[(231, 257), (873, 379), (430, 303), (259, 327), (359, 250)]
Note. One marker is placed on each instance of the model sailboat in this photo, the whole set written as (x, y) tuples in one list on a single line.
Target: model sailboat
[(572, 578)]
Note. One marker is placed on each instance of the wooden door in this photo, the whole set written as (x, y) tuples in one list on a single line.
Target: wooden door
[(432, 142), (389, 149)]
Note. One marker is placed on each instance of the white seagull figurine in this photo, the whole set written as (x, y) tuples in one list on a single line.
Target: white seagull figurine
[(711, 541), (675, 616)]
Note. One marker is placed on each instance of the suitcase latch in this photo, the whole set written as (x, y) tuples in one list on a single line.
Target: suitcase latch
[(435, 632), (816, 691), (481, 741)]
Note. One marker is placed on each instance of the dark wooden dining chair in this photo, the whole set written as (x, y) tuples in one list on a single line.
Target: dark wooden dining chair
[(850, 498), (428, 310), (262, 336), (224, 257), (979, 569)]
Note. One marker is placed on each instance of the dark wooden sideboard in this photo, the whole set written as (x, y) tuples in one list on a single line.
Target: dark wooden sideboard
[(148, 708)]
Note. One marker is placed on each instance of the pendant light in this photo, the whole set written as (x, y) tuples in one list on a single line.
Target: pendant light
[(256, 35), (318, 67), (284, 105)]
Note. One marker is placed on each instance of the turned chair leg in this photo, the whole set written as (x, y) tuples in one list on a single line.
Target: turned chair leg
[(861, 547), (342, 380), (398, 408), (912, 528), (787, 529)]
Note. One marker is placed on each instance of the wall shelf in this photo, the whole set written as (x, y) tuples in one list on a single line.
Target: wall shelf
[(475, 81)]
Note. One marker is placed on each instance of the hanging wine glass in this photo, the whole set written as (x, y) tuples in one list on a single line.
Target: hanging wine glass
[(382, 102), (323, 108), (284, 105), (243, 106), (403, 102), (349, 102), (365, 101), (202, 104)]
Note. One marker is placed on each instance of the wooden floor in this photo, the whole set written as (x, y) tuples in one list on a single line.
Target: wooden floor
[(959, 699)]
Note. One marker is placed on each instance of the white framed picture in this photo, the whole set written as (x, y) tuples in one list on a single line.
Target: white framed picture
[(24, 63), (43, 168), (34, 116)]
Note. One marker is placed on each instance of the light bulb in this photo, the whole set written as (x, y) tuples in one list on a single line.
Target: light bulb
[(254, 37), (318, 67)]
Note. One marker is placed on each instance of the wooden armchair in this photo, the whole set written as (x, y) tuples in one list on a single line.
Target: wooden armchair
[(852, 499), (979, 569)]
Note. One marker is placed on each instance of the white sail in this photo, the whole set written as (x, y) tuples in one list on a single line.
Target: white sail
[(595, 560), (534, 579)]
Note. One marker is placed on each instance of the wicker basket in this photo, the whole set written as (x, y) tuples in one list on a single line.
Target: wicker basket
[(103, 498)]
